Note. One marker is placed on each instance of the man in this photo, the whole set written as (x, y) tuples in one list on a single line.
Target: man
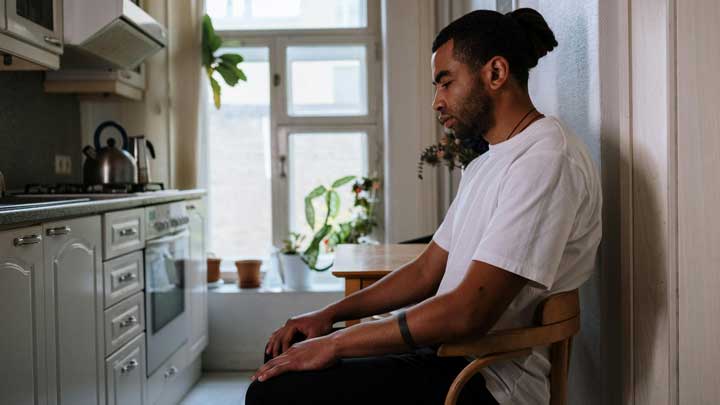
[(525, 224)]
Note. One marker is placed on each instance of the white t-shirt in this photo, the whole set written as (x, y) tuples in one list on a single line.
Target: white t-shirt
[(532, 206)]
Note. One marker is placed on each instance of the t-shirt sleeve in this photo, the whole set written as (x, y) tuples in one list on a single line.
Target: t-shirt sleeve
[(443, 235), (531, 225)]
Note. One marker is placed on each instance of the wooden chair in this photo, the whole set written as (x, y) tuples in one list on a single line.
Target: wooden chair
[(558, 320)]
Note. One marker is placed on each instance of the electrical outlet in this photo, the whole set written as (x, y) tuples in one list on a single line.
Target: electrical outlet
[(63, 164)]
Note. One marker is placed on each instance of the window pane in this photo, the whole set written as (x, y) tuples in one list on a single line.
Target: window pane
[(320, 159), (287, 14), (327, 80), (239, 162)]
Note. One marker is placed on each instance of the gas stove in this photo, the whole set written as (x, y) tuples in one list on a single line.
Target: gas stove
[(91, 190)]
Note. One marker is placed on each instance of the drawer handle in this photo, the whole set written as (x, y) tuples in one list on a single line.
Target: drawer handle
[(171, 372), (52, 40), (128, 231), (129, 321), (63, 230), (27, 240), (129, 366), (127, 277)]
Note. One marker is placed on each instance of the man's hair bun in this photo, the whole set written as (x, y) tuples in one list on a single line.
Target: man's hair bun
[(540, 37)]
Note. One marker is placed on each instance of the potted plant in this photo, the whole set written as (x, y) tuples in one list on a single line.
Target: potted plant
[(452, 151), (362, 220), (294, 272), (224, 64)]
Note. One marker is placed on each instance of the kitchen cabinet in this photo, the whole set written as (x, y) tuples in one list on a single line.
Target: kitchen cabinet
[(126, 374), (38, 22), (197, 280), (73, 311), (31, 34), (22, 375)]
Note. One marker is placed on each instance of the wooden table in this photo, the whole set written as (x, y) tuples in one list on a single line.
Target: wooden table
[(362, 265)]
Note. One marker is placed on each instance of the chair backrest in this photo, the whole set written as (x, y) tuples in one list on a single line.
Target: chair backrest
[(558, 308)]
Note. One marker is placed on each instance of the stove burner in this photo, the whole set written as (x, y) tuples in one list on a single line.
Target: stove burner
[(76, 188)]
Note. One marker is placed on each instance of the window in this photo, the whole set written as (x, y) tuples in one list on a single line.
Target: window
[(308, 114)]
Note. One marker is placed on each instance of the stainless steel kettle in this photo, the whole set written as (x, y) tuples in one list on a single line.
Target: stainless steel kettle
[(142, 150), (109, 164)]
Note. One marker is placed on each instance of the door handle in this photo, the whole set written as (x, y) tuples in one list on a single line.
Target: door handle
[(52, 40), (63, 230), (129, 366), (27, 240)]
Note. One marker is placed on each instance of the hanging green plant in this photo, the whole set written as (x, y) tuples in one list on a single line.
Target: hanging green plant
[(226, 64)]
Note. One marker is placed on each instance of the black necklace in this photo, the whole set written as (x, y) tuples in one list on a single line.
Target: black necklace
[(518, 124)]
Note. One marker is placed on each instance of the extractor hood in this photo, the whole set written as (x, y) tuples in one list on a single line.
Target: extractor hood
[(109, 33)]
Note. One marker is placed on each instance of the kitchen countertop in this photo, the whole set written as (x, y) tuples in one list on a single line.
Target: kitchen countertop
[(14, 218)]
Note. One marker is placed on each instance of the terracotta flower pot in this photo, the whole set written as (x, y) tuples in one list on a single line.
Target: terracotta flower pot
[(213, 269), (248, 273)]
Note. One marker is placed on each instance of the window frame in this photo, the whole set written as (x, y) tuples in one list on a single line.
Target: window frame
[(282, 125)]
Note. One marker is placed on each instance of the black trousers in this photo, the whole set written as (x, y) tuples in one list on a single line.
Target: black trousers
[(420, 377)]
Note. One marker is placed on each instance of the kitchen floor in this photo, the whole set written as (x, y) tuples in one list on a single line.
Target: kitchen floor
[(219, 389)]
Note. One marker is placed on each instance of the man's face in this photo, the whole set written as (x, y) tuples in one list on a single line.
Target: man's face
[(463, 104)]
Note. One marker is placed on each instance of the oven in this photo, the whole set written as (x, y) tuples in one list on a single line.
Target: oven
[(167, 252)]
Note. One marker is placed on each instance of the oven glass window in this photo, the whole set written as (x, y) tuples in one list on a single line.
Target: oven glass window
[(167, 286)]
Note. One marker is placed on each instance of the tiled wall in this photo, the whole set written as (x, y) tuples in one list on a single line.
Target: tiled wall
[(34, 126)]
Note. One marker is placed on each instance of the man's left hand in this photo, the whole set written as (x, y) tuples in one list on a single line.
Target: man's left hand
[(312, 354)]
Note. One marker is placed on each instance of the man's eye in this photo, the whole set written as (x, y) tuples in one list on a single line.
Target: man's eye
[(445, 85)]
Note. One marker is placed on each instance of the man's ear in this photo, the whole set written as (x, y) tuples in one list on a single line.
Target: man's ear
[(498, 72)]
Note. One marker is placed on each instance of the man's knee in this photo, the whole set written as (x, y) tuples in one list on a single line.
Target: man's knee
[(256, 394)]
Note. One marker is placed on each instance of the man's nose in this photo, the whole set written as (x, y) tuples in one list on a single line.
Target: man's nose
[(438, 103)]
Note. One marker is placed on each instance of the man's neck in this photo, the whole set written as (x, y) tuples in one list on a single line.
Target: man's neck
[(509, 111)]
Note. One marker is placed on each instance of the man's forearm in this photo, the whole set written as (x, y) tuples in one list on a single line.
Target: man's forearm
[(434, 321), (407, 285)]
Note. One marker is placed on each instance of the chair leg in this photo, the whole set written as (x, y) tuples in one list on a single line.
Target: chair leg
[(474, 367), (559, 358)]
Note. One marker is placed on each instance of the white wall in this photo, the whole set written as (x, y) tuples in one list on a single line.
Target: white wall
[(408, 29), (566, 84)]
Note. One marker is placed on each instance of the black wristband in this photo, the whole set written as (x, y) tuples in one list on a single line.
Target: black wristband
[(405, 331)]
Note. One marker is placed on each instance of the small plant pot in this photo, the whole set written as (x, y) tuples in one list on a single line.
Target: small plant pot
[(296, 273), (213, 269), (248, 273)]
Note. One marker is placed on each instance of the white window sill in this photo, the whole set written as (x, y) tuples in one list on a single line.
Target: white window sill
[(233, 288)]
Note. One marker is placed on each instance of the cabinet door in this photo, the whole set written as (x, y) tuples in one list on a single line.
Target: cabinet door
[(126, 374), (3, 23), (197, 279), (73, 293), (22, 374), (36, 21)]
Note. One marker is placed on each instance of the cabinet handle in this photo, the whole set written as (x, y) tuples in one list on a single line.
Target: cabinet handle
[(129, 366), (129, 321), (125, 75), (171, 372), (27, 240), (63, 230), (52, 40), (127, 277), (190, 206), (128, 231)]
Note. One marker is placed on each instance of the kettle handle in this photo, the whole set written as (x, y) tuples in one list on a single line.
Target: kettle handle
[(151, 148), (117, 126)]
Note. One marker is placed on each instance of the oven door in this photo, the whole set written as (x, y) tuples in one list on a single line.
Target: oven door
[(165, 261)]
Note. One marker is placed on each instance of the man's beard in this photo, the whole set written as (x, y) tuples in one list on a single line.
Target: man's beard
[(475, 116)]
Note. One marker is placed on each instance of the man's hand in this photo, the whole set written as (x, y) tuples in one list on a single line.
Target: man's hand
[(311, 325), (312, 354)]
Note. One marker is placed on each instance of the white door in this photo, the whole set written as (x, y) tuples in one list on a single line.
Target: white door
[(73, 296), (197, 279), (22, 372)]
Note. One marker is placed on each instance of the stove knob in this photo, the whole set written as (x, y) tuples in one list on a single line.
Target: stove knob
[(184, 220), (160, 226), (174, 222)]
